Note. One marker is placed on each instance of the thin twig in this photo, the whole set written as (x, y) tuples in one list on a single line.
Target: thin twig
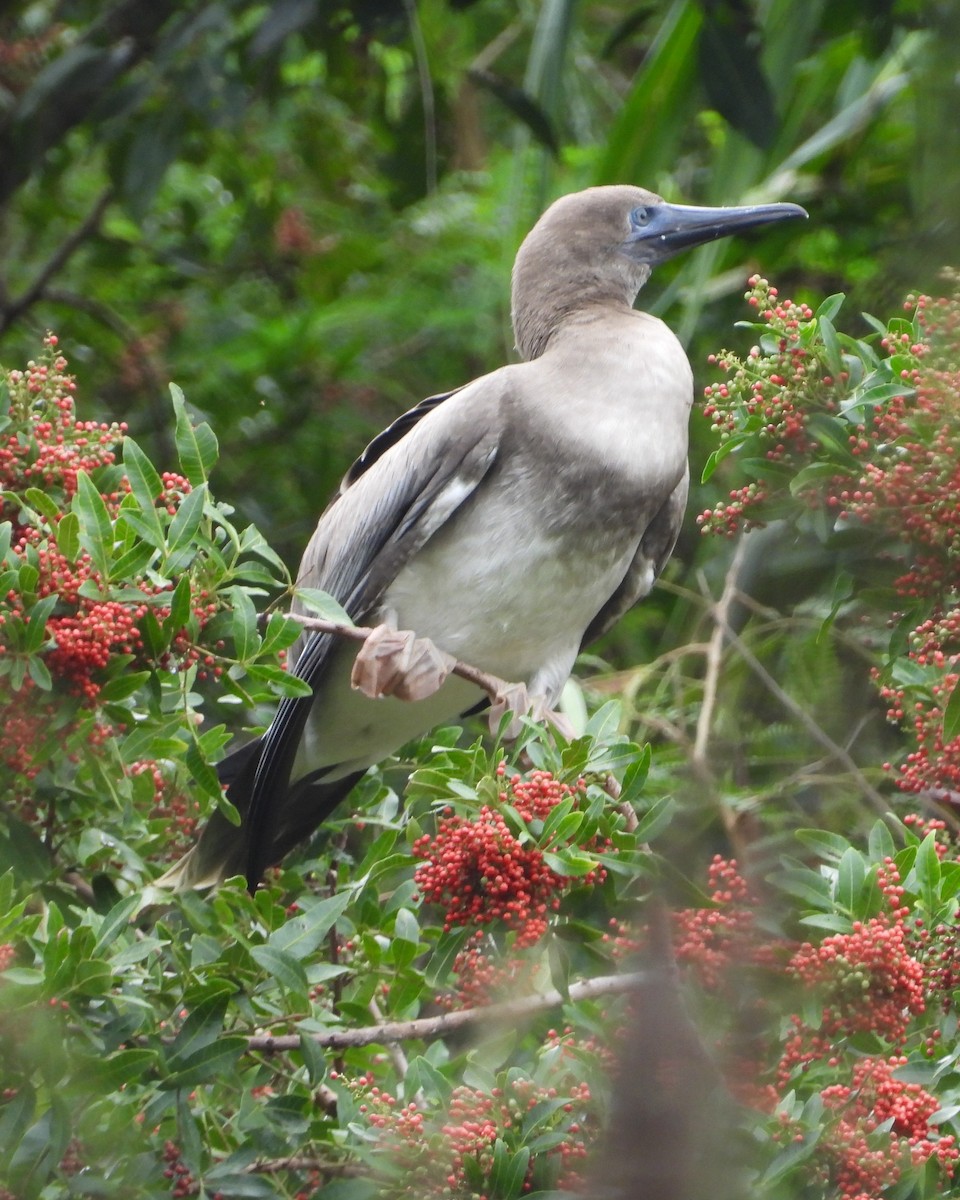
[(714, 661), (302, 1162), (400, 1061), (56, 262), (819, 735), (424, 1028)]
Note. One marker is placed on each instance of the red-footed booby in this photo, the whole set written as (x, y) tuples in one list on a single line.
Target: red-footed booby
[(509, 522)]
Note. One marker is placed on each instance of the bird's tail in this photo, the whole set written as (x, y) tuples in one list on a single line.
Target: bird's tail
[(221, 849), (224, 849)]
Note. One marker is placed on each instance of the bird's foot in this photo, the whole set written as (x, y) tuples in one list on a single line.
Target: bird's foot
[(395, 662), (515, 699)]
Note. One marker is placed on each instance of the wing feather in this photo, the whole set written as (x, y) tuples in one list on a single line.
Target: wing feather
[(384, 515), (651, 557)]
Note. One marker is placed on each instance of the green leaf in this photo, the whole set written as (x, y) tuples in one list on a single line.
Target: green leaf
[(831, 847), (207, 1063), (68, 536), (280, 680), (180, 610), (716, 457), (147, 488), (196, 445), (850, 877), (319, 604), (37, 623), (280, 633), (831, 346), (43, 503), (314, 1059), (569, 863), (96, 528), (927, 869), (301, 935), (285, 968), (125, 1067), (203, 1023), (134, 561), (116, 920), (40, 673), (830, 307), (203, 773), (657, 817), (186, 521), (246, 640), (833, 922), (880, 843), (951, 716), (406, 927)]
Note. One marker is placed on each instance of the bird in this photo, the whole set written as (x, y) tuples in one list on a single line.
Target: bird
[(506, 523)]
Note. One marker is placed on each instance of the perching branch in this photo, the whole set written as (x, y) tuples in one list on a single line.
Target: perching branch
[(425, 1028), (491, 684)]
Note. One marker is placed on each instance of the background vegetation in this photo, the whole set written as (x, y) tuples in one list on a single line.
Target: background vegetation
[(305, 215)]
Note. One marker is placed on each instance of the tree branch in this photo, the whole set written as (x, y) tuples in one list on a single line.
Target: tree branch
[(819, 735), (425, 1028), (57, 261), (714, 660), (490, 684)]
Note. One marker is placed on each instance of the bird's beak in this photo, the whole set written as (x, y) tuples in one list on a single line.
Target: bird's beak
[(664, 229)]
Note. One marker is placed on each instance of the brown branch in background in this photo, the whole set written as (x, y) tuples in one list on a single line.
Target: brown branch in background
[(14, 309), (425, 1028), (611, 785), (301, 1162), (714, 661)]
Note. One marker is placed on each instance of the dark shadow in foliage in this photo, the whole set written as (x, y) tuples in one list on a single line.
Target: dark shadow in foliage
[(731, 72), (670, 1132)]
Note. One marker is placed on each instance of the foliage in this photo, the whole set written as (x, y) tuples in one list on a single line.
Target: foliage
[(306, 213), (242, 1046), (859, 449), (273, 204), (125, 591)]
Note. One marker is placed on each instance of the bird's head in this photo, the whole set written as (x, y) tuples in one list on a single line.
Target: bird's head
[(600, 245)]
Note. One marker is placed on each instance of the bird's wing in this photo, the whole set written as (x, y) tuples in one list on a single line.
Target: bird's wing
[(411, 484), (656, 546), (390, 436)]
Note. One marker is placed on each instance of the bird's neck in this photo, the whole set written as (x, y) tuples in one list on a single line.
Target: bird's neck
[(542, 307)]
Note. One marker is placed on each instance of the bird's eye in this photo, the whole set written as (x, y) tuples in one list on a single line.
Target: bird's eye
[(641, 216)]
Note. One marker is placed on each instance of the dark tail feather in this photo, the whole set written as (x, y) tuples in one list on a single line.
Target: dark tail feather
[(223, 849)]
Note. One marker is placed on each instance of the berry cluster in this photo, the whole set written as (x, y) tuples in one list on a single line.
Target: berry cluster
[(872, 961), (485, 973), (480, 871), (862, 1156), (52, 708), (182, 1181), (891, 467), (769, 397), (712, 941), (868, 987), (452, 1153)]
